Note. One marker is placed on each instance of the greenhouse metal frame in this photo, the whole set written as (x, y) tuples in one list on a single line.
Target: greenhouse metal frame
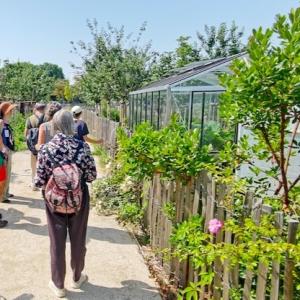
[(192, 92)]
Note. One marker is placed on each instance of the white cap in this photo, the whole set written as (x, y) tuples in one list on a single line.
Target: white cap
[(76, 110)]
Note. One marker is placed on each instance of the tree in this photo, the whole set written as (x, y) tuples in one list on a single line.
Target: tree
[(162, 65), (185, 52), (59, 89), (68, 92), (25, 81), (222, 41), (263, 93), (53, 70), (113, 64)]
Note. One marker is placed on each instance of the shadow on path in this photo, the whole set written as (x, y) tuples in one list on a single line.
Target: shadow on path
[(131, 290), (111, 235)]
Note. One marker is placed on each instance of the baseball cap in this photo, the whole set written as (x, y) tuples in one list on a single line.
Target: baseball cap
[(76, 110)]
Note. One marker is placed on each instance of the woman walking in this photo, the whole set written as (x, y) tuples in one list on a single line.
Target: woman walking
[(6, 109), (3, 223), (62, 163), (45, 132)]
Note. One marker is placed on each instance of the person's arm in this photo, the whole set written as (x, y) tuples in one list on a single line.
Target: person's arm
[(41, 138), (43, 169), (91, 140), (88, 165), (27, 127), (1, 140), (87, 138)]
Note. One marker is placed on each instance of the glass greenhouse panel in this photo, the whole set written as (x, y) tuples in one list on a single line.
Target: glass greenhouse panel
[(155, 110), (149, 107), (181, 102), (163, 109), (214, 132), (144, 107), (197, 110), (141, 108), (129, 112)]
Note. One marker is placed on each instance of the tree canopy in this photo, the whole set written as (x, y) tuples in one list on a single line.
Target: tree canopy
[(113, 64), (23, 81)]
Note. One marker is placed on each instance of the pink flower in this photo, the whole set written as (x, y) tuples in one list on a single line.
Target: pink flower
[(214, 226)]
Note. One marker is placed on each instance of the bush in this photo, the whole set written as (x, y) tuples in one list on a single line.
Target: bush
[(101, 152), (130, 212), (18, 125), (114, 196)]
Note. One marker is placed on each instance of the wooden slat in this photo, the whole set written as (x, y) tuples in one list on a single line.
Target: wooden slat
[(276, 265), (262, 267), (289, 264), (226, 285), (218, 264)]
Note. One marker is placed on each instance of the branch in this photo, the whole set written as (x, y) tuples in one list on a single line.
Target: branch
[(278, 189), (282, 158), (267, 140), (291, 144), (295, 182)]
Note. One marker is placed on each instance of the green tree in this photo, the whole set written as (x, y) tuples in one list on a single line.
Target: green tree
[(221, 41), (262, 93), (68, 92), (186, 52), (25, 81), (59, 89), (53, 70), (113, 64), (163, 65)]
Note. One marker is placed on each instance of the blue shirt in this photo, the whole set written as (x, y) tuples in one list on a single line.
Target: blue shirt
[(7, 137), (81, 130)]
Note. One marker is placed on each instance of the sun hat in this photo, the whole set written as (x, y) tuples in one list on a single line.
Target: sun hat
[(6, 107), (76, 110)]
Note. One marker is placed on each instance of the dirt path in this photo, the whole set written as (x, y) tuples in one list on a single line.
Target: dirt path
[(116, 269)]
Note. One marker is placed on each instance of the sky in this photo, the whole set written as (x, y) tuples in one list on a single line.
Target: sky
[(41, 30)]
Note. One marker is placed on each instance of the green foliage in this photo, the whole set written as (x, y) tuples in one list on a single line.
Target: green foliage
[(189, 240), (185, 52), (262, 93), (169, 210), (24, 81), (102, 154), (130, 212), (221, 41), (113, 65), (17, 123), (163, 65), (53, 70), (172, 151)]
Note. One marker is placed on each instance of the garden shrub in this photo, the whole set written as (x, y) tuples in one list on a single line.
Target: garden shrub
[(18, 125)]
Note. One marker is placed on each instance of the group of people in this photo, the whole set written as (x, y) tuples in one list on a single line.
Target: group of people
[(62, 165)]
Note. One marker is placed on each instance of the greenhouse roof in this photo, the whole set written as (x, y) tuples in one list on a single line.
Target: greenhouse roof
[(189, 71)]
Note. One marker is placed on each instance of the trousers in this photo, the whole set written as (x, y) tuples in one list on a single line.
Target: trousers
[(58, 226)]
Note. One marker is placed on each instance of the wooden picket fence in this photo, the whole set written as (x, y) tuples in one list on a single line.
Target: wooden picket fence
[(102, 128), (204, 197)]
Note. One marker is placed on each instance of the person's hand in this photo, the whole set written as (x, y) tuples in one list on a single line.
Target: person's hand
[(100, 142)]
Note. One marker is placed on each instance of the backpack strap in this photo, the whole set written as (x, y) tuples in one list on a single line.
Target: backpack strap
[(41, 120)]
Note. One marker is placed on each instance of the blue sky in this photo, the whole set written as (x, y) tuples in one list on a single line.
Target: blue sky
[(41, 30)]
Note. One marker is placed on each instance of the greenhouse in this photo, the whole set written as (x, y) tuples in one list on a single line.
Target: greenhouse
[(192, 92)]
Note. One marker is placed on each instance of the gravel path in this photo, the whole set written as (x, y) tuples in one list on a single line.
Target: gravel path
[(116, 269)]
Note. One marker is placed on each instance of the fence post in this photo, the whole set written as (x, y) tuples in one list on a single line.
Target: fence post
[(276, 265), (290, 265)]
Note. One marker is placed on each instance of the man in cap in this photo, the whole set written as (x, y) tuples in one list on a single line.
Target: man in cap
[(33, 123), (6, 109), (81, 129)]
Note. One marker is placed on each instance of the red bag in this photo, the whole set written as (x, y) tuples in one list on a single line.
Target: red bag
[(3, 172)]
